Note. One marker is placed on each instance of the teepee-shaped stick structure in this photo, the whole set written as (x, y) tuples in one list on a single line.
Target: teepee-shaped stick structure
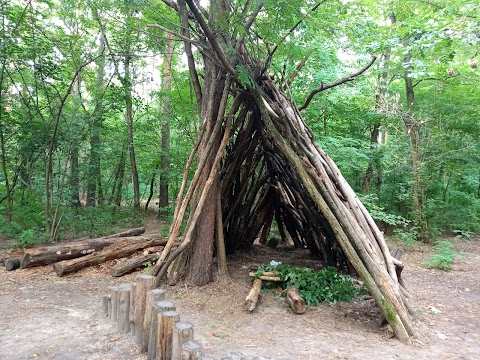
[(258, 162)]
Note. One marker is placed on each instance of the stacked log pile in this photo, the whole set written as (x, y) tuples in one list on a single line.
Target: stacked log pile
[(71, 256)]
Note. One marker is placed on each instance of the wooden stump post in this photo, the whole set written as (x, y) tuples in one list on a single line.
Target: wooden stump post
[(153, 296), (133, 295), (123, 308), (113, 304), (106, 305), (157, 308), (144, 284), (166, 320), (192, 350), (182, 332)]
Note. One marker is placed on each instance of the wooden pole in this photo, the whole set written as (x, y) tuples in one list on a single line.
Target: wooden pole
[(182, 332), (166, 320), (157, 308), (192, 350), (152, 297), (144, 283)]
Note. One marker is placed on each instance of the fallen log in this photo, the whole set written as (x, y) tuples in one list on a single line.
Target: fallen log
[(295, 301), (12, 264), (51, 253), (126, 233), (253, 295), (119, 251), (131, 264), (266, 277)]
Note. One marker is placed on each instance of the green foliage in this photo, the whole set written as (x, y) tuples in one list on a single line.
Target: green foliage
[(315, 286), (244, 77), (408, 236), (96, 221), (378, 213), (442, 258)]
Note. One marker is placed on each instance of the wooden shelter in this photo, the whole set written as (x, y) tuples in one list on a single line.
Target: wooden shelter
[(258, 162)]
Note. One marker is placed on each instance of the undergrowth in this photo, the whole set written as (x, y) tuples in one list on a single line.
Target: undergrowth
[(27, 227), (442, 258), (315, 286)]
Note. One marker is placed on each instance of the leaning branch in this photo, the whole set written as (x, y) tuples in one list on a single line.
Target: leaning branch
[(211, 37), (336, 83)]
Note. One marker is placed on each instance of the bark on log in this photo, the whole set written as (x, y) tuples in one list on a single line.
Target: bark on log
[(12, 264), (252, 297), (49, 254), (295, 301), (166, 321), (153, 296), (69, 266), (123, 308), (192, 350), (157, 308), (182, 332), (131, 264), (10, 254), (126, 233), (144, 283), (268, 276), (106, 299)]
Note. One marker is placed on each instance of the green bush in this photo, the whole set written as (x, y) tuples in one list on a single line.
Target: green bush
[(442, 258), (315, 286)]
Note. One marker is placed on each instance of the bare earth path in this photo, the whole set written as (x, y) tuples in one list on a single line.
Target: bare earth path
[(46, 317)]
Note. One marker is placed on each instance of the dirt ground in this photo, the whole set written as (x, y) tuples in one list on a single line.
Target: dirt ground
[(47, 317)]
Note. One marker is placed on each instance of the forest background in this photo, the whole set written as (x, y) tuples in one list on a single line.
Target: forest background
[(98, 114)]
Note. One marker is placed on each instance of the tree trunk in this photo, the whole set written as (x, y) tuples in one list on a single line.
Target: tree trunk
[(165, 126), (74, 177), (94, 189), (118, 179), (412, 128), (129, 119)]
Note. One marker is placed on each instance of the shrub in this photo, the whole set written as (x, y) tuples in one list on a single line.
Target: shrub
[(315, 286), (442, 258)]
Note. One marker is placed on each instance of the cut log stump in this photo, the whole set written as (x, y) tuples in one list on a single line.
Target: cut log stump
[(295, 301), (182, 332), (153, 296), (166, 321), (192, 350), (145, 283), (157, 308)]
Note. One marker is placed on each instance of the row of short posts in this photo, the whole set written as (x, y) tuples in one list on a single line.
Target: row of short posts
[(140, 309)]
